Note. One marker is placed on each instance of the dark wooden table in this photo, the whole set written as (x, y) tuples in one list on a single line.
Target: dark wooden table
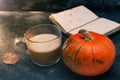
[(14, 24)]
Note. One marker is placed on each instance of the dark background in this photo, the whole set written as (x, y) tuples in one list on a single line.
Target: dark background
[(104, 8), (57, 5), (16, 18)]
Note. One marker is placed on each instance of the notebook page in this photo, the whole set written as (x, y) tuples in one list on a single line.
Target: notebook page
[(73, 18), (101, 25)]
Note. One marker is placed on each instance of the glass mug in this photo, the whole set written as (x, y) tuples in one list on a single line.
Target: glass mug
[(44, 44)]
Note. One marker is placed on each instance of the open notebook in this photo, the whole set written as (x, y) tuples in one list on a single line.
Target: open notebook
[(72, 20)]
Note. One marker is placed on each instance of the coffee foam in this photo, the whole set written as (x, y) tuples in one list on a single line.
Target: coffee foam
[(47, 42)]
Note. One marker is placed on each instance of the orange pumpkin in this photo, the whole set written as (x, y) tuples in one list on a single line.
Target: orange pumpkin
[(88, 53)]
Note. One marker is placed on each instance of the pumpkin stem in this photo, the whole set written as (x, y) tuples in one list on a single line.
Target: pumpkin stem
[(87, 35)]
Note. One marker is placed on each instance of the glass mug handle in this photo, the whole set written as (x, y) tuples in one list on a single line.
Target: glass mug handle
[(20, 44)]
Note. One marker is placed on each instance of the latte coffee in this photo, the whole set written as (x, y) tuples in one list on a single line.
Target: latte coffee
[(44, 49)]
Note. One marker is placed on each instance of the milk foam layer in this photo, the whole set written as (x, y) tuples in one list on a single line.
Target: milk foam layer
[(43, 46)]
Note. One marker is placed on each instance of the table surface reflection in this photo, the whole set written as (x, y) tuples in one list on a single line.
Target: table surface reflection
[(14, 24)]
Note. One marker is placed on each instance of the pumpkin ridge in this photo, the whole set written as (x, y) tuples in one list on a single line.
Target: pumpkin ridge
[(66, 45), (92, 59), (99, 61), (66, 57), (95, 60), (76, 60), (66, 49)]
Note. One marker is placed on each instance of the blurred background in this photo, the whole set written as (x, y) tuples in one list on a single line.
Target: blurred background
[(56, 5)]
